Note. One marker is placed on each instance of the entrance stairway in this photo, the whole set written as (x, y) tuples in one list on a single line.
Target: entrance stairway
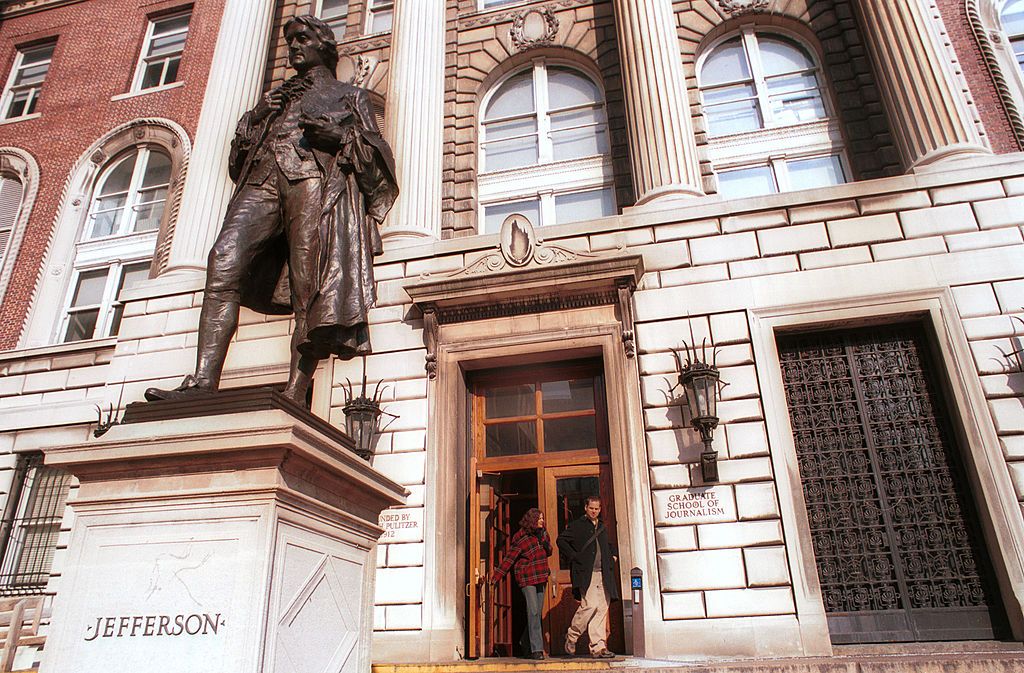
[(975, 657)]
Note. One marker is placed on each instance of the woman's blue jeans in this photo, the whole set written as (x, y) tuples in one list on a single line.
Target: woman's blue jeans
[(534, 595)]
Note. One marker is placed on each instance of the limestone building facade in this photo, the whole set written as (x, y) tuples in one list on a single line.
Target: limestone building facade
[(824, 197)]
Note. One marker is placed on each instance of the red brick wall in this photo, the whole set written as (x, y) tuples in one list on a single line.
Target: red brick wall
[(993, 115), (98, 45)]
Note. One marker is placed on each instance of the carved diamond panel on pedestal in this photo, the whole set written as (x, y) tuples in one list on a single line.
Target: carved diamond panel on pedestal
[(319, 611)]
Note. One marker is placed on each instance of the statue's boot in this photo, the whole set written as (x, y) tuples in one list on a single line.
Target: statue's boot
[(217, 323), (190, 387), (301, 368)]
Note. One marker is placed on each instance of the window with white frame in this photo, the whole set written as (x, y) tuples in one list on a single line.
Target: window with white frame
[(161, 52), (379, 15), (544, 150), (11, 191), (488, 4), (335, 14), (1012, 18), (770, 123), (21, 95), (117, 242)]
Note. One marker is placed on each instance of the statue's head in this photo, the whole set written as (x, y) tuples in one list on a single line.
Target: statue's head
[(318, 47)]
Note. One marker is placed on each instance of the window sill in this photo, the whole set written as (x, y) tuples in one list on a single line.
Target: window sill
[(59, 349), (23, 118), (143, 92)]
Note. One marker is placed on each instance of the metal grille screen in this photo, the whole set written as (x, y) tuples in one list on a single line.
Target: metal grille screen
[(31, 525), (898, 550)]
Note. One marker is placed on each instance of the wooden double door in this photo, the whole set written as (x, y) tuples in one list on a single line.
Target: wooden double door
[(539, 440)]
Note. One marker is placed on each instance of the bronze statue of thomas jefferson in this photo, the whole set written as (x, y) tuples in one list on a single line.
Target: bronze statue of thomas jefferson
[(314, 180)]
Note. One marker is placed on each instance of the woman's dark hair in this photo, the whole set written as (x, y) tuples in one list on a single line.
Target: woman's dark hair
[(530, 519), (328, 45)]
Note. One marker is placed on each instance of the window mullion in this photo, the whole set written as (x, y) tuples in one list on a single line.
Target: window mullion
[(69, 297), (547, 208), (757, 72), (132, 199), (140, 69), (106, 308), (541, 104), (781, 172), (9, 90)]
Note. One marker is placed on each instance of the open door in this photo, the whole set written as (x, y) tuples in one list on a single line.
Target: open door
[(565, 492), (540, 439), (490, 624)]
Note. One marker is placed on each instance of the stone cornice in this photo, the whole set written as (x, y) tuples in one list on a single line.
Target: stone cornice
[(14, 8), (364, 44)]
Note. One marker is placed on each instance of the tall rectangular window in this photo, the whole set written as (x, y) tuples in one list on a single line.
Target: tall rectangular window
[(161, 53), (26, 81), (31, 524), (335, 14), (381, 15)]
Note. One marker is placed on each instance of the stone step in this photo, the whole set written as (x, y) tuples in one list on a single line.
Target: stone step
[(985, 657), (501, 665)]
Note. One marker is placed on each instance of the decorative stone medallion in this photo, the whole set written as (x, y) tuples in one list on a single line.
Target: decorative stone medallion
[(533, 28), (518, 240), (738, 7)]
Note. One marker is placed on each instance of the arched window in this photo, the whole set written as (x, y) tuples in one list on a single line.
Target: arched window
[(1012, 18), (544, 148), (117, 241), (770, 123), (10, 206)]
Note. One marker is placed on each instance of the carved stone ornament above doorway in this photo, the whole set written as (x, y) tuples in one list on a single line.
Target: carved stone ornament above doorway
[(739, 7), (533, 28), (523, 275)]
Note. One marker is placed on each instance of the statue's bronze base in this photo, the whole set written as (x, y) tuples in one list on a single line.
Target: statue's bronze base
[(230, 401)]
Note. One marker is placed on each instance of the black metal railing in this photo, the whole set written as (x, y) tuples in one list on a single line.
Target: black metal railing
[(31, 525)]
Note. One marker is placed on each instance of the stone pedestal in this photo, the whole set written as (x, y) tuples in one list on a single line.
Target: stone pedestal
[(233, 542)]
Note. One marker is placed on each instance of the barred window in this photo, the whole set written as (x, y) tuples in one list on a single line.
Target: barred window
[(31, 524)]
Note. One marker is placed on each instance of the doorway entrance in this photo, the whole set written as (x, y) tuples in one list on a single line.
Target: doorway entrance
[(896, 537), (539, 439)]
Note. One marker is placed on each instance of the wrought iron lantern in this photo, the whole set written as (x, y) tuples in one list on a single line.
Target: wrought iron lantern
[(362, 416), (700, 381)]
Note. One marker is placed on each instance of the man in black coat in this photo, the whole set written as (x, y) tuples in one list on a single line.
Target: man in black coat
[(584, 543)]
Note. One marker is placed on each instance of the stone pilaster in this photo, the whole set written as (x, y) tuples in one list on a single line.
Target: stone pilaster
[(414, 119), (928, 112), (661, 143), (236, 78)]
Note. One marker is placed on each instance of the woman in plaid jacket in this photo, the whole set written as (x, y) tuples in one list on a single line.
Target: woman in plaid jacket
[(527, 557)]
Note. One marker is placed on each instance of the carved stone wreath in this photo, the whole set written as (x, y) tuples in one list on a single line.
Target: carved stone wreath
[(533, 28), (738, 7)]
